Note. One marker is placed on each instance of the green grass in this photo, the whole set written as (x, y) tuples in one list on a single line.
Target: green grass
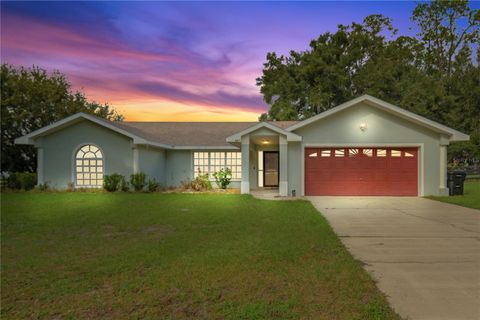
[(176, 256), (470, 198)]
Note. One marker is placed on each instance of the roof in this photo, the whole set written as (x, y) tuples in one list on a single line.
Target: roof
[(205, 135), (187, 134), (453, 134), (171, 135)]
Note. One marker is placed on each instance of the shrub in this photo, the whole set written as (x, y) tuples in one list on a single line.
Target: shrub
[(13, 182), (152, 185), (111, 182), (124, 185), (28, 180), (71, 187), (43, 186), (200, 183), (223, 177), (22, 180), (138, 181)]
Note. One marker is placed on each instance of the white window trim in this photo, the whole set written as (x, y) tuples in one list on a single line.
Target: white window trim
[(74, 165)]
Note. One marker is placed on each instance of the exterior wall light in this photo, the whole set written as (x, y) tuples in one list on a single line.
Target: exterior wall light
[(265, 141), (363, 127)]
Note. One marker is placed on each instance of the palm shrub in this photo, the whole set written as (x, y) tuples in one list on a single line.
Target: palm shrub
[(138, 181), (223, 177), (112, 182)]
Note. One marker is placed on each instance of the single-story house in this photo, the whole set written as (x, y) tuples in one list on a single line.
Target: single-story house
[(365, 146)]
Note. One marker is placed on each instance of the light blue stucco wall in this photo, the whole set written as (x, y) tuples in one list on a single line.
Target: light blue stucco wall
[(383, 128), (151, 161), (294, 167), (179, 166), (59, 149)]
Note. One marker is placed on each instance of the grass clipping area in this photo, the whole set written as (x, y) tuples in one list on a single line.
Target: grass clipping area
[(177, 256)]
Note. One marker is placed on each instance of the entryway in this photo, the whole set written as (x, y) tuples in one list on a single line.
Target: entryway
[(270, 168)]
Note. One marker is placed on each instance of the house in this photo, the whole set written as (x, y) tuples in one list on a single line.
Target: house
[(365, 146)]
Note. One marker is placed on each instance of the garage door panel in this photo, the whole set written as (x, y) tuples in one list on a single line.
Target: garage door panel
[(361, 171)]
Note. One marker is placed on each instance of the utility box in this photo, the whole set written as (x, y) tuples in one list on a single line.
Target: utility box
[(455, 181)]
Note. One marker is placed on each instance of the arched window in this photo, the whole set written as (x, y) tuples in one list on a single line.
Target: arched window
[(89, 167)]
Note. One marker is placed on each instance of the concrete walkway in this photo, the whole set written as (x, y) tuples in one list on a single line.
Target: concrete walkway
[(424, 254)]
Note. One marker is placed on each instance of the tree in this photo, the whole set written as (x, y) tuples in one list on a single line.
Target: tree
[(432, 74), (337, 67), (446, 29), (30, 99)]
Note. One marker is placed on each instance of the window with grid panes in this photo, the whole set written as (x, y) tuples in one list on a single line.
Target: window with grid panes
[(234, 162), (217, 162), (210, 162), (89, 167), (200, 163)]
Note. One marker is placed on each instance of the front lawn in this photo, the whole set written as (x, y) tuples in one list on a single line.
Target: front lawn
[(470, 198), (176, 256)]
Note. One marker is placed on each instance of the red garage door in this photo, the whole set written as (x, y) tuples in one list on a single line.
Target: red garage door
[(361, 171)]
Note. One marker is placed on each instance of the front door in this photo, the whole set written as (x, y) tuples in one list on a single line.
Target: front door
[(271, 164)]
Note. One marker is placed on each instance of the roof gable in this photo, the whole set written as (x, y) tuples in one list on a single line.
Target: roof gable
[(402, 113), (68, 121), (289, 135)]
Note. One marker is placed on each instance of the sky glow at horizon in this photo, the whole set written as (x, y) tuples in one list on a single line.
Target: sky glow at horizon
[(164, 61)]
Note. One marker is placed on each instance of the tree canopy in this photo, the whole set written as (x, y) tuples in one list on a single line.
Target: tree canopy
[(434, 74), (30, 99)]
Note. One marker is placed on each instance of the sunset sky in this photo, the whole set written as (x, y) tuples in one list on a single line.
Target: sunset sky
[(165, 61)]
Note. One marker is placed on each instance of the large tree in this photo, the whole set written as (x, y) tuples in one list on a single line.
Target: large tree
[(447, 29), (433, 74), (305, 83), (31, 98)]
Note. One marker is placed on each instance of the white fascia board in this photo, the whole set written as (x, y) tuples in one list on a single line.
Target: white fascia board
[(23, 140), (171, 147), (238, 136), (205, 148), (453, 134)]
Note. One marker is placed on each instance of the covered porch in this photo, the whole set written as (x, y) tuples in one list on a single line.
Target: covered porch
[(264, 149)]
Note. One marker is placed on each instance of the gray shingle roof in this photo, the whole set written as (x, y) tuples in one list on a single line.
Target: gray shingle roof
[(191, 133)]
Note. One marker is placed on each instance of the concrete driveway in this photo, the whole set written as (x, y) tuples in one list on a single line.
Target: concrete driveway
[(424, 254)]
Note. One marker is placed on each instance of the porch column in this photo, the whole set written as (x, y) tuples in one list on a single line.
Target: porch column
[(245, 186), (40, 177), (135, 159), (283, 148), (443, 168)]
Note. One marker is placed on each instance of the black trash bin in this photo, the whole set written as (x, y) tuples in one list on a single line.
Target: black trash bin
[(455, 182)]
